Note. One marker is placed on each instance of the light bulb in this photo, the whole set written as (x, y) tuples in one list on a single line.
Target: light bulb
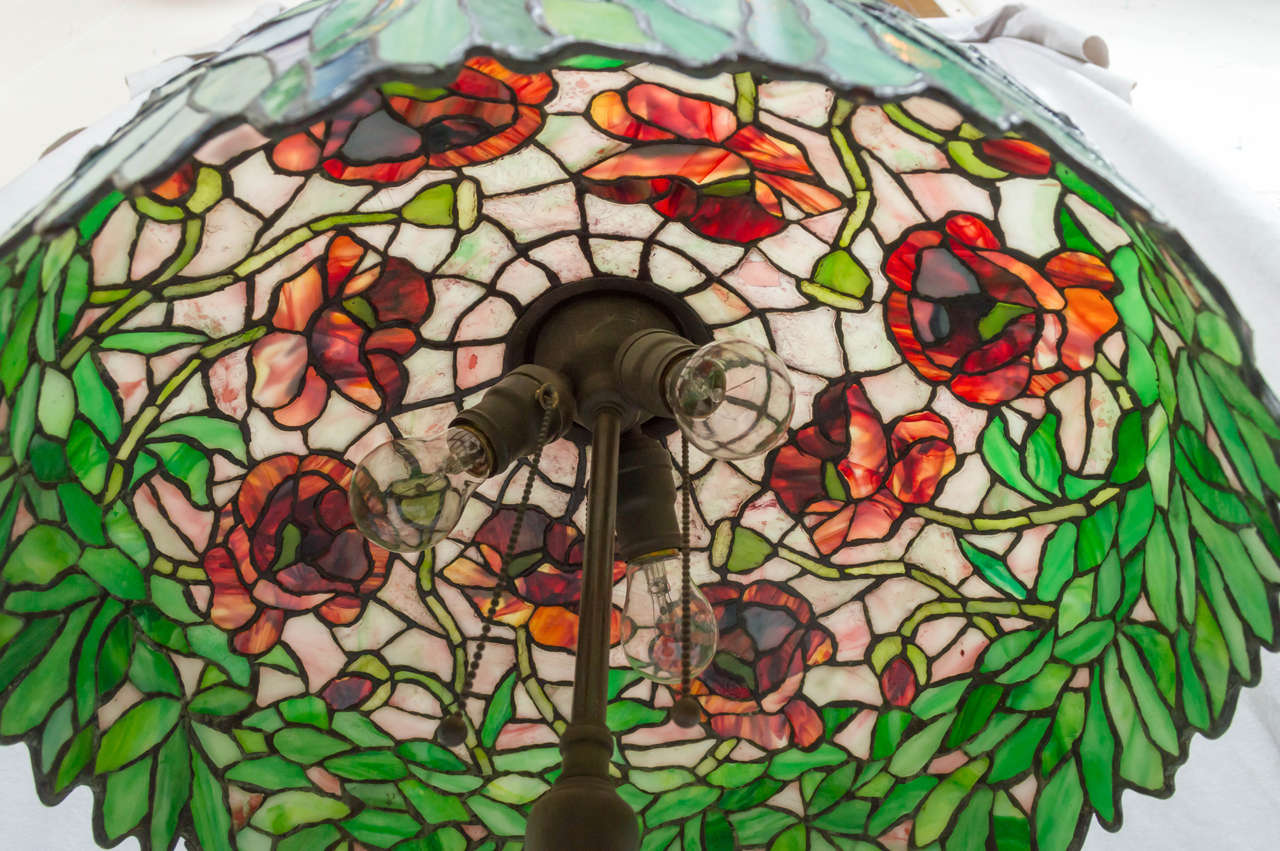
[(652, 621), (732, 399), (408, 493)]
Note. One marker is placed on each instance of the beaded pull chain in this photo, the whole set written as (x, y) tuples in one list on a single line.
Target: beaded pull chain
[(685, 711), (453, 728)]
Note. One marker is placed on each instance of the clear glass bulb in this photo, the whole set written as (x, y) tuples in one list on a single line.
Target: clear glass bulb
[(732, 399), (652, 621), (408, 493)]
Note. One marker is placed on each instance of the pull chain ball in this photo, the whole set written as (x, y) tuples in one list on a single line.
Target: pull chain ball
[(686, 712), (452, 731)]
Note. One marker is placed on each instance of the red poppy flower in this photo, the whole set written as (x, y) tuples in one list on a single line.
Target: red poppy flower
[(1016, 156), (389, 134), (769, 637), (697, 164), (343, 327), (848, 475), (177, 186), (287, 544), (985, 320), (548, 557)]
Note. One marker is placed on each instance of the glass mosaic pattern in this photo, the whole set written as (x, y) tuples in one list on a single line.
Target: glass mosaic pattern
[(1020, 545)]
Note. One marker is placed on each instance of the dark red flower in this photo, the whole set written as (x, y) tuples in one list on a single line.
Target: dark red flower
[(548, 556), (1017, 156), (697, 164), (898, 682), (847, 474), (769, 637), (347, 691), (287, 544), (985, 320), (343, 328), (389, 134)]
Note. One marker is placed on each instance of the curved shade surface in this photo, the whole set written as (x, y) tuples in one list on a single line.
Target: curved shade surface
[(1019, 545)]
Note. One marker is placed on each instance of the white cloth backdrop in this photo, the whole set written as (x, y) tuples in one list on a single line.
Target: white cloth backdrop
[(59, 59)]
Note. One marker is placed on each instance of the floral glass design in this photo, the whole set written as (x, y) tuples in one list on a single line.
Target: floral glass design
[(389, 134), (1019, 544)]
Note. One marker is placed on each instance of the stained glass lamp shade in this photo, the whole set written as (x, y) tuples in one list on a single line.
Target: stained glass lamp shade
[(1019, 545)]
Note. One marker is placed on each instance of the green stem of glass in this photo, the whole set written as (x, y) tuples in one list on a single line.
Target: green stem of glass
[(529, 678), (149, 413), (745, 97), (1019, 520), (450, 703), (976, 610), (204, 286)]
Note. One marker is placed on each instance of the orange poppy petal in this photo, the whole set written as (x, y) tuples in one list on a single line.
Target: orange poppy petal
[(1089, 315), (611, 115), (261, 635), (686, 117), (807, 196), (915, 476)]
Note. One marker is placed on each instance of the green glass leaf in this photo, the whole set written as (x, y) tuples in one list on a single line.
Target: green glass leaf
[(77, 758), (1097, 755), (1227, 381), (1058, 563), (1005, 460), (793, 762), (84, 516), (1044, 456), (1210, 577), (1195, 705), (899, 803), (34, 697), (1139, 760), (973, 825), (136, 732), (308, 709), (114, 657), (748, 796), (1057, 810), (1160, 573), (307, 746), (360, 730), (1135, 517), (888, 732), (1242, 579), (173, 788), (1041, 691), (42, 553), (151, 671), (1097, 531), (150, 342), (993, 569), (188, 467), (936, 700), (847, 818), (499, 818), (1215, 333), (311, 838), (432, 207), (974, 712), (22, 420), (1110, 585), (1085, 642), (127, 798), (734, 775), (1212, 654), (68, 592), (434, 808), (831, 788), (113, 571), (914, 753), (515, 789), (211, 642), (433, 756), (1068, 724), (999, 728), (220, 700), (210, 432), (1224, 423), (936, 811), (1016, 754), (270, 773), (368, 765), (285, 811), (1156, 649), (1030, 663)]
